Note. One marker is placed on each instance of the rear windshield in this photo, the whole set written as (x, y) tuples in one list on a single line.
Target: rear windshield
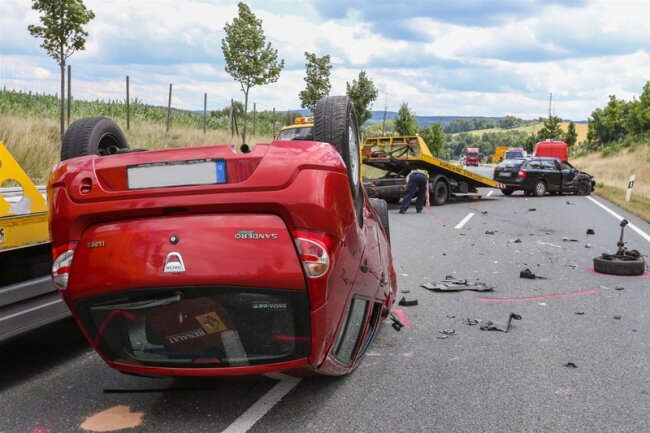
[(304, 133), (509, 163), (514, 154)]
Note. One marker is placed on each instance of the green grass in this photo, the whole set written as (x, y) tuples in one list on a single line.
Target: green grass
[(638, 205)]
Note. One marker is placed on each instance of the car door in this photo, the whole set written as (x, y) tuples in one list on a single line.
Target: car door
[(552, 175), (568, 176)]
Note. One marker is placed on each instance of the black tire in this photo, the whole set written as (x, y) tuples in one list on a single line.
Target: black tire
[(506, 191), (92, 136), (382, 210), (440, 193), (335, 122), (583, 188), (540, 188), (616, 266)]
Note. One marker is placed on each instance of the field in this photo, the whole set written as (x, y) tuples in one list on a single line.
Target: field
[(581, 129), (35, 143)]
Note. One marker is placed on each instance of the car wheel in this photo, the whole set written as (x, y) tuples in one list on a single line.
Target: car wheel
[(335, 122), (619, 265), (540, 188), (382, 210), (440, 193), (92, 136), (506, 191), (583, 188)]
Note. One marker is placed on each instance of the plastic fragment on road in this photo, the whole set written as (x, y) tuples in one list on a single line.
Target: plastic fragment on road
[(619, 288), (617, 317), (446, 333), (487, 325), (532, 209), (451, 284), (569, 240), (404, 303), (484, 212), (396, 323), (591, 232), (528, 274), (580, 313), (568, 202), (570, 365), (489, 232), (587, 245)]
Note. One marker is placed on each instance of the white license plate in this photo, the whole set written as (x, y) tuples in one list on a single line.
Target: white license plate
[(176, 173), (506, 174)]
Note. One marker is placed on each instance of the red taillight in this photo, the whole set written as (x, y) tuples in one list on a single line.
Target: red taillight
[(316, 251), (62, 255), (521, 174)]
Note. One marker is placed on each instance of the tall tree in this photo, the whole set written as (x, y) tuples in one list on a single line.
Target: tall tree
[(612, 119), (317, 80), (249, 59), (62, 32), (434, 137), (363, 93), (571, 136), (551, 129), (405, 122)]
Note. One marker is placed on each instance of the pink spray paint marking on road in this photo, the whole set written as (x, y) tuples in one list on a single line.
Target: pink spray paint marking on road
[(433, 216), (646, 274), (401, 315), (540, 297)]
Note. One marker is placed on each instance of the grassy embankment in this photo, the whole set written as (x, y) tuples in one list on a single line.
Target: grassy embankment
[(613, 172), (29, 128)]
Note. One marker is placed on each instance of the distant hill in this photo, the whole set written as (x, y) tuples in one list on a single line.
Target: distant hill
[(423, 121)]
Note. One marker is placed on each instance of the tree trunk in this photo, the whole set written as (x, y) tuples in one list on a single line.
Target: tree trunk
[(62, 101), (243, 136)]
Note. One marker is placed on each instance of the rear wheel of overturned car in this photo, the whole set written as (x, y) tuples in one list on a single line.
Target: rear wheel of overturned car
[(619, 264), (382, 210), (335, 122), (440, 193), (506, 191), (92, 136), (540, 188)]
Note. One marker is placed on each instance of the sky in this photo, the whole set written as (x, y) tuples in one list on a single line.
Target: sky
[(442, 57)]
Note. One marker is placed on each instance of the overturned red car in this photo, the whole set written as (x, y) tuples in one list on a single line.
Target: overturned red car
[(210, 261)]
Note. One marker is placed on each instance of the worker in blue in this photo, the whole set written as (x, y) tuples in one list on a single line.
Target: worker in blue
[(416, 181)]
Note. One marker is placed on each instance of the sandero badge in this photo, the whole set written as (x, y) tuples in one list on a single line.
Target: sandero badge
[(289, 264)]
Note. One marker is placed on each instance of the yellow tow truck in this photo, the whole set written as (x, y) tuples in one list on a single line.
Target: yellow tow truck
[(27, 297), (397, 156)]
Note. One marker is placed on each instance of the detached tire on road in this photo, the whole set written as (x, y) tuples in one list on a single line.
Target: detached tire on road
[(92, 136), (335, 122), (440, 193), (615, 265), (382, 210)]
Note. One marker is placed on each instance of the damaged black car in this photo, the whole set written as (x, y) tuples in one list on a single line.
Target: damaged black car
[(538, 176)]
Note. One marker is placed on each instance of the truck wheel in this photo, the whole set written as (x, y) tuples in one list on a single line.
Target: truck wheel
[(540, 188), (583, 188), (335, 122), (382, 210), (617, 265), (506, 191), (92, 136), (440, 193)]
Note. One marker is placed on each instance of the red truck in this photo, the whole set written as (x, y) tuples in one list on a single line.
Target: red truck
[(472, 156), (552, 148)]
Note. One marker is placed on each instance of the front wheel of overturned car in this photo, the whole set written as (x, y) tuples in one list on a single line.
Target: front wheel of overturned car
[(382, 210), (92, 136), (335, 122), (619, 264)]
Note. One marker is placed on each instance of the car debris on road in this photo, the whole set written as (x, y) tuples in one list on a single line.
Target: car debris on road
[(486, 325), (528, 274), (404, 303), (451, 284)]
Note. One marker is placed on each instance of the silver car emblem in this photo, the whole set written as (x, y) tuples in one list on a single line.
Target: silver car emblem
[(174, 263)]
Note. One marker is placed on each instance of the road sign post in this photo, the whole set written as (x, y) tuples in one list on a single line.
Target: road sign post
[(630, 185)]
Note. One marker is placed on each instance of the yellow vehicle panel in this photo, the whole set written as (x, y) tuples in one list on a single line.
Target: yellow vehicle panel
[(23, 221)]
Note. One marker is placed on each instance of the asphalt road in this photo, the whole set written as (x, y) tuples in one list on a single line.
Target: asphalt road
[(410, 381)]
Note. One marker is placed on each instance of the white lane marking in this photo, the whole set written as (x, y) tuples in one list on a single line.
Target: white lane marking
[(548, 243), (489, 193), (630, 225), (254, 413), (462, 223)]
